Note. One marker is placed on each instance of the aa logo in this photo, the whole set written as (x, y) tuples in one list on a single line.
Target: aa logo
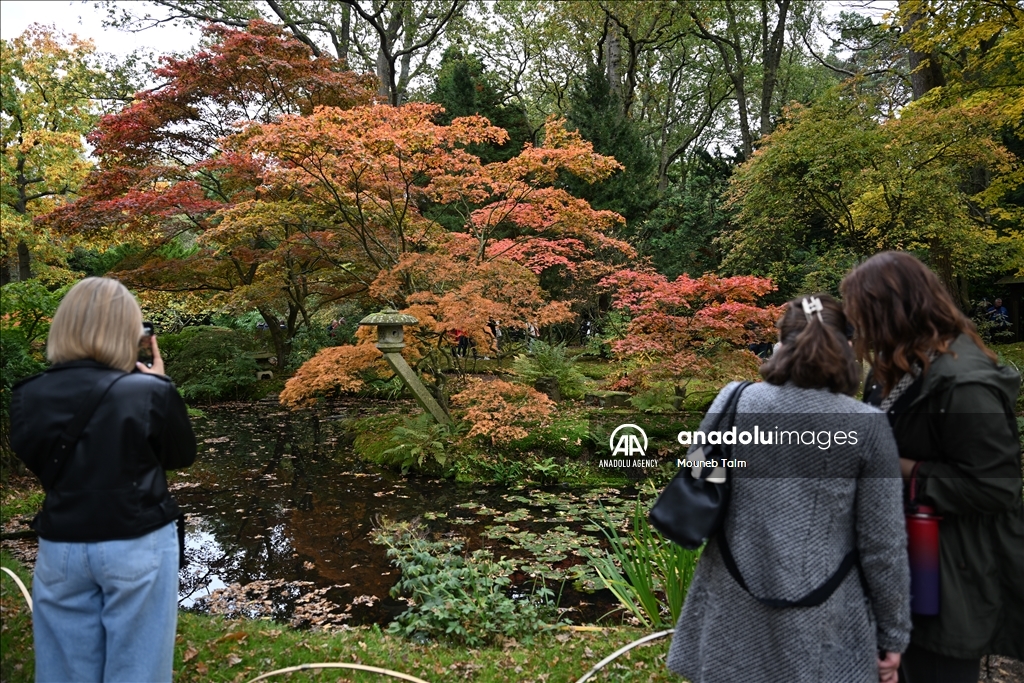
[(628, 442)]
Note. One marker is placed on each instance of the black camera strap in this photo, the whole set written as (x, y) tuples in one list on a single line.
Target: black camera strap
[(72, 432)]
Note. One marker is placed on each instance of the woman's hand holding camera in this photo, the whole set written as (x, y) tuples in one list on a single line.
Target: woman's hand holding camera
[(157, 368)]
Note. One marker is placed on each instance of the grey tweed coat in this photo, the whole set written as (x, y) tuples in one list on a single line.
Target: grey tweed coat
[(796, 510)]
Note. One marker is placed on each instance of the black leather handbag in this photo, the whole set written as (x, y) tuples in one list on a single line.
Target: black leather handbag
[(691, 508)]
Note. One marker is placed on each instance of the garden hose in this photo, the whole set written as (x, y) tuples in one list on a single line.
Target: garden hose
[(386, 672), (621, 651), (24, 591), (336, 665)]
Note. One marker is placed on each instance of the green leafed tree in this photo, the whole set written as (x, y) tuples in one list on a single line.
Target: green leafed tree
[(49, 88), (835, 183), (464, 88), (680, 233)]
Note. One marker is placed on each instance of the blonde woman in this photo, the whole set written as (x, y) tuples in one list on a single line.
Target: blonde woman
[(99, 429)]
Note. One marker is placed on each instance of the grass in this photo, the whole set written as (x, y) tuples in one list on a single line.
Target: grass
[(17, 500), (212, 649)]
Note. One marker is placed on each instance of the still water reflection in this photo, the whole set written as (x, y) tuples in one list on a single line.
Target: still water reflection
[(280, 512)]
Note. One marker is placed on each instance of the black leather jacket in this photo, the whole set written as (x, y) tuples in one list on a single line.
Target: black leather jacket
[(113, 485)]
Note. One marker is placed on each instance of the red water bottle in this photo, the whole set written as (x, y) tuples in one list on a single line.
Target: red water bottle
[(923, 548)]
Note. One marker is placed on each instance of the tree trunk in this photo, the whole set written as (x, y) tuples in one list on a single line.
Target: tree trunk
[(277, 335), (24, 262), (925, 67), (771, 57), (383, 75), (5, 265), (613, 61), (926, 74), (346, 32), (956, 285), (741, 104)]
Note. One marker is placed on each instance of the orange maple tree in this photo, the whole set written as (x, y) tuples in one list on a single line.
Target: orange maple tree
[(376, 168), (501, 411), (194, 207)]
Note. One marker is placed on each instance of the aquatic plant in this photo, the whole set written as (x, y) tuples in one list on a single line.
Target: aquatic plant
[(646, 572), (459, 598)]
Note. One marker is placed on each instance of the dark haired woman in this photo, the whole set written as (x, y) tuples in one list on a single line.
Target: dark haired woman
[(951, 408), (801, 514)]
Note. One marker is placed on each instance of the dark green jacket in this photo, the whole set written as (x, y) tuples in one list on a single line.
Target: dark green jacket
[(962, 428)]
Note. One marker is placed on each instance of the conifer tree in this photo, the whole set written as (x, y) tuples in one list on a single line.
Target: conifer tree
[(595, 111)]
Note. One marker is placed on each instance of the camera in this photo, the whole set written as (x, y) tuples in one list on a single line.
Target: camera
[(146, 344)]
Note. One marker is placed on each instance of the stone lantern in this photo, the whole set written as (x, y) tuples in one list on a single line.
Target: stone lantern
[(390, 326)]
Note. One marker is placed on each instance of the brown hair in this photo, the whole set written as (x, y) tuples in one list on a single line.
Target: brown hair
[(815, 353), (98, 319), (902, 314)]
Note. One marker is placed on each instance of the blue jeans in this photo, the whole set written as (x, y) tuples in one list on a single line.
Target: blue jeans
[(106, 611)]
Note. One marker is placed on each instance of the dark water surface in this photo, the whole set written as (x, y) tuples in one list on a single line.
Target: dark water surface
[(280, 512)]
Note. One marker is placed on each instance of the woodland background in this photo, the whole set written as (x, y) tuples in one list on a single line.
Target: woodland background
[(650, 178), (628, 190)]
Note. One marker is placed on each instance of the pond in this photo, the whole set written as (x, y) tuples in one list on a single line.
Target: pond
[(280, 513)]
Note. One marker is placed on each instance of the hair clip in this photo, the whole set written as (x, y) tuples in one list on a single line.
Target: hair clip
[(812, 306)]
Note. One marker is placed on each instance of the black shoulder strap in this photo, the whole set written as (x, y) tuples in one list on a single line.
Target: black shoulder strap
[(812, 599), (729, 410), (72, 432)]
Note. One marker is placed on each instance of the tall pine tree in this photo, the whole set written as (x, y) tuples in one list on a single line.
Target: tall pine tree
[(464, 88), (596, 112)]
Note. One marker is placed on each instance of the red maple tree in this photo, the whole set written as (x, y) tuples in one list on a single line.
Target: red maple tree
[(677, 327)]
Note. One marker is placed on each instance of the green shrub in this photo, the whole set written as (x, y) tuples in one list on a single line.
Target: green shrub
[(647, 573), (547, 360), (657, 397), (421, 442), (25, 312), (386, 389), (305, 344), (209, 363), (458, 598), (1013, 355)]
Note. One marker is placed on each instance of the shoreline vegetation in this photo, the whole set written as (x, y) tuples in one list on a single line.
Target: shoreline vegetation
[(211, 649), (221, 648)]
